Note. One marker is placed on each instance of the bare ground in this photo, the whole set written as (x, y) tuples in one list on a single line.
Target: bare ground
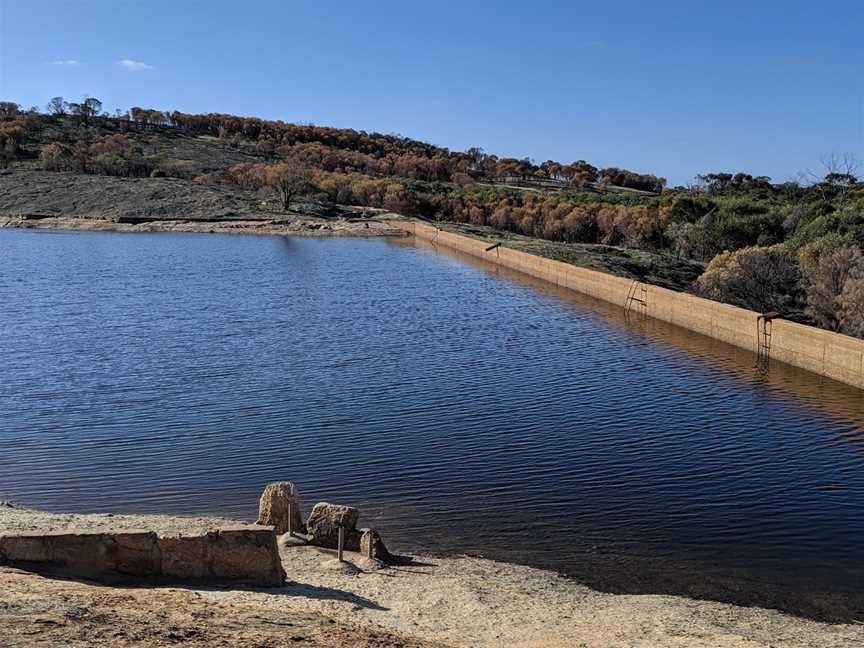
[(42, 611), (35, 199), (456, 601)]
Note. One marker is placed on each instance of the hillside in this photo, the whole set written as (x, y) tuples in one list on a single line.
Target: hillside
[(790, 248)]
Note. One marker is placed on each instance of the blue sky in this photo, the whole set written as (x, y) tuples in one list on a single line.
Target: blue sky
[(673, 88)]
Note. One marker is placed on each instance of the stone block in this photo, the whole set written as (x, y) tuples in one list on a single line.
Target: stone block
[(372, 546), (246, 555), (136, 554), (323, 526), (88, 553), (25, 548), (185, 558), (273, 508)]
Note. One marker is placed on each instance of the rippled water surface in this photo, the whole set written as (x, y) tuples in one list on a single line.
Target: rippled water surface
[(462, 410)]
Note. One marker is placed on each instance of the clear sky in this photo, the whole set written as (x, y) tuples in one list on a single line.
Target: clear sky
[(673, 88)]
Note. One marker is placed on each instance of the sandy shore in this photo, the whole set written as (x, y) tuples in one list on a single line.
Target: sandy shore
[(430, 601)]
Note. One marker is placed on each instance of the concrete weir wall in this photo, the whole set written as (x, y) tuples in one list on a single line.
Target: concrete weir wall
[(243, 555), (822, 352)]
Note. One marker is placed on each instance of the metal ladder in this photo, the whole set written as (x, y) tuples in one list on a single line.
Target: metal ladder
[(764, 329), (637, 294)]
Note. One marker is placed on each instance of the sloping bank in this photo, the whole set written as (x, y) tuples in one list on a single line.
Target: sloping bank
[(828, 354)]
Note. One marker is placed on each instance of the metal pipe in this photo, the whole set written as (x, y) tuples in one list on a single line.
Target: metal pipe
[(341, 543)]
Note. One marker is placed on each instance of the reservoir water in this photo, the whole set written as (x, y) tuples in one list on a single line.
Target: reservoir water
[(462, 409)]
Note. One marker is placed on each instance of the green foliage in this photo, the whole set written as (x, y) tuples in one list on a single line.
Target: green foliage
[(690, 209), (846, 225), (748, 224)]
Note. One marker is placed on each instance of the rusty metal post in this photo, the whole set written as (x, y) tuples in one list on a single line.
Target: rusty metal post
[(290, 528)]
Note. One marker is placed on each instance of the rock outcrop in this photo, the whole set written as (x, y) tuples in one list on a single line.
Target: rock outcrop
[(278, 501)]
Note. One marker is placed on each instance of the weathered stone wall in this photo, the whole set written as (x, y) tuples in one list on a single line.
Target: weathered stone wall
[(242, 555), (828, 354)]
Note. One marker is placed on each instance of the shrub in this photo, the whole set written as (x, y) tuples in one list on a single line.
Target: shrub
[(689, 209), (57, 157), (848, 223), (757, 278), (827, 275), (852, 308)]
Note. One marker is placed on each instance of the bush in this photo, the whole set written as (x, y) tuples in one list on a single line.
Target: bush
[(742, 224), (852, 308), (827, 275), (57, 157), (847, 223), (689, 209), (757, 278)]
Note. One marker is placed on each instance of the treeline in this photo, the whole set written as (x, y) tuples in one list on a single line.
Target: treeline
[(347, 150), (552, 217)]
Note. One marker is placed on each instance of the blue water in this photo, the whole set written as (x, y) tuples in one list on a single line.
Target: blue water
[(462, 411)]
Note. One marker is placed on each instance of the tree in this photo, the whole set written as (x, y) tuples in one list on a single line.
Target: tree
[(289, 180), (827, 277), (758, 278), (476, 159), (852, 308), (57, 157), (88, 108), (840, 178), (581, 174), (7, 152), (9, 109), (12, 133), (266, 146)]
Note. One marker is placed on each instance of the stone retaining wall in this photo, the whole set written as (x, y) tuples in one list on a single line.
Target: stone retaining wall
[(242, 555), (822, 352)]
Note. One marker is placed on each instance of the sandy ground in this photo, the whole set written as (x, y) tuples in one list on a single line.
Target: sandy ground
[(456, 601), (40, 611)]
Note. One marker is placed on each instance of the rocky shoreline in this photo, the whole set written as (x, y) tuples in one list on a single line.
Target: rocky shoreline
[(410, 601)]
